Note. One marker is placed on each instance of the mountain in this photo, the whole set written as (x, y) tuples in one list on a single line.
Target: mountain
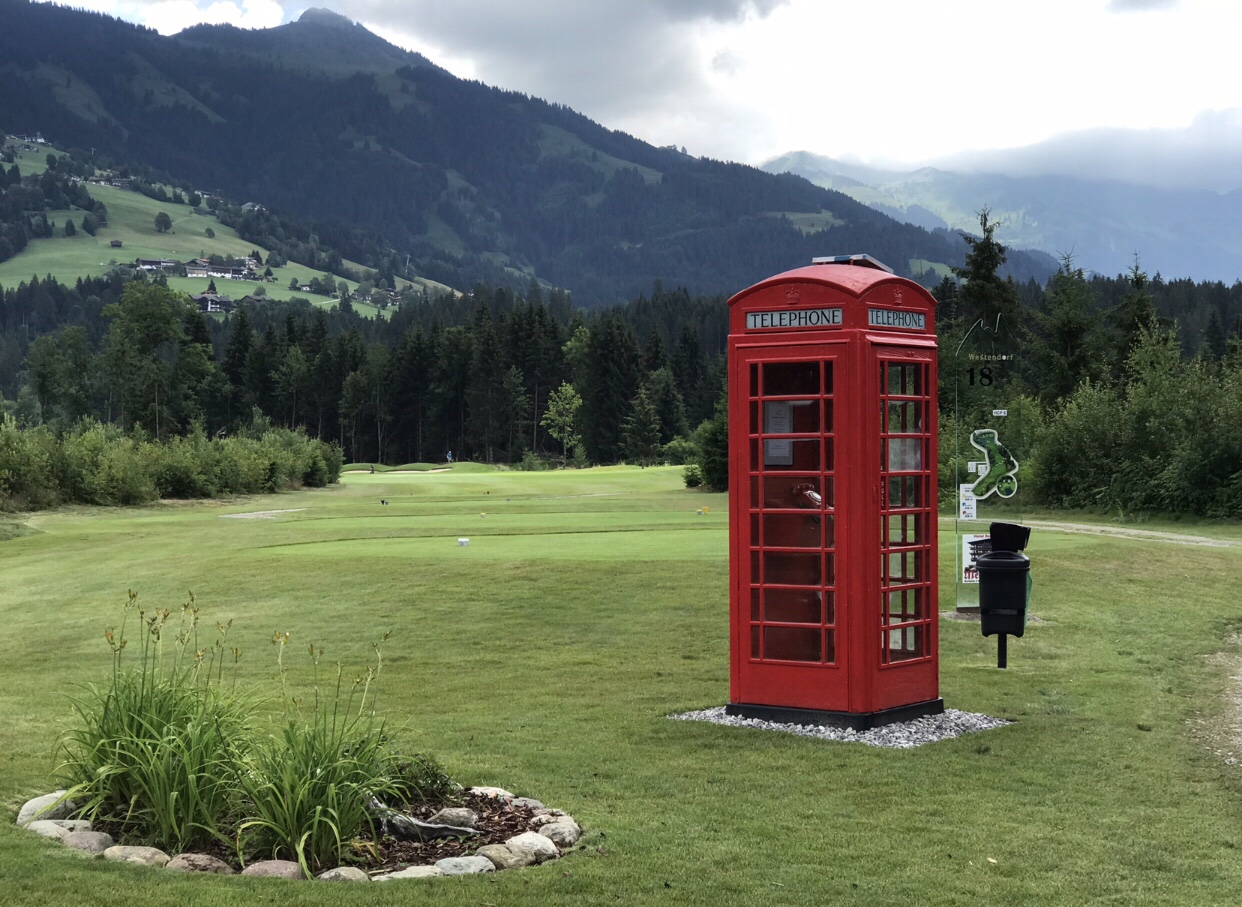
[(319, 41), (325, 120), (1176, 232)]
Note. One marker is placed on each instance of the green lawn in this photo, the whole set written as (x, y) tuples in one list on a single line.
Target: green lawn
[(589, 605)]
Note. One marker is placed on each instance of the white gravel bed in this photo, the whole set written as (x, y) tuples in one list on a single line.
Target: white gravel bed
[(901, 735)]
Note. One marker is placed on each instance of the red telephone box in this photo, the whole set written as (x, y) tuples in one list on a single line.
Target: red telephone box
[(832, 510)]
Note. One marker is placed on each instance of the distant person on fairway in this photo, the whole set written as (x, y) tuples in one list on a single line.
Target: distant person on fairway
[(448, 457)]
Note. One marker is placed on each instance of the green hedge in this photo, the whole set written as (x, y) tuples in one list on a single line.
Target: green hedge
[(99, 464)]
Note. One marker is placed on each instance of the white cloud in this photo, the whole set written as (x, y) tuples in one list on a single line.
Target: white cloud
[(171, 16), (885, 81)]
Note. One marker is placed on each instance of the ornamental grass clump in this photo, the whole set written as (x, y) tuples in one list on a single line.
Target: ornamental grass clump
[(165, 753), (307, 787), (155, 748)]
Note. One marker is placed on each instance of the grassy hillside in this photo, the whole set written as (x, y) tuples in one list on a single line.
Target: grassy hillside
[(131, 219)]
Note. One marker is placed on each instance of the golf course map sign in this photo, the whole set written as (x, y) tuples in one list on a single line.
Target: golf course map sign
[(1000, 469)]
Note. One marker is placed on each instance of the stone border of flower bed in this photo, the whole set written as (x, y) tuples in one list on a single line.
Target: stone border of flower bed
[(550, 831)]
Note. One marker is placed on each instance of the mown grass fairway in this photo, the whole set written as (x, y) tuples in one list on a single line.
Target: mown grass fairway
[(589, 605)]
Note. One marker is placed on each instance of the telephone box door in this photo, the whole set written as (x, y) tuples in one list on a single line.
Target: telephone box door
[(908, 608), (790, 641)]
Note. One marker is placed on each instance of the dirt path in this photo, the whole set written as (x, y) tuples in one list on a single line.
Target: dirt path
[(1128, 532)]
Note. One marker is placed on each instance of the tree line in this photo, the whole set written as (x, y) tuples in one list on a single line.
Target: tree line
[(1110, 401), (1120, 394), (488, 375)]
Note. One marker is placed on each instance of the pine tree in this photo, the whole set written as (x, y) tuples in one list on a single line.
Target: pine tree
[(1065, 344), (641, 431), (985, 296), (613, 370), (1130, 319)]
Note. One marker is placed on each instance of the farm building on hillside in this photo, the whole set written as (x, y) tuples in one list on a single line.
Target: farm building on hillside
[(212, 302), (155, 264)]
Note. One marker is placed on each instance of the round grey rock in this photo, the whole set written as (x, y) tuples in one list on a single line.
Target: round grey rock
[(456, 815), (503, 857), (564, 831), (74, 824), (200, 862), (93, 842), (528, 802), (274, 869), (536, 845), (144, 856), (498, 793), (413, 872), (49, 806), (344, 874), (462, 866), (48, 828)]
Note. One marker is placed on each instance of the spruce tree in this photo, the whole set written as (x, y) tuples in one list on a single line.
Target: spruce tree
[(985, 296), (641, 431)]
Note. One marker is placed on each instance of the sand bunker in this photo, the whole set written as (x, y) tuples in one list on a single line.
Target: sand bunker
[(259, 514)]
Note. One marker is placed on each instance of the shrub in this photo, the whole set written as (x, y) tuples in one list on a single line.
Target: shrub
[(155, 749), (532, 462), (31, 466), (692, 475), (680, 451)]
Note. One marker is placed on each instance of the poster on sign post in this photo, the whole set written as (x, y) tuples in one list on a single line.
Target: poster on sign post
[(969, 553)]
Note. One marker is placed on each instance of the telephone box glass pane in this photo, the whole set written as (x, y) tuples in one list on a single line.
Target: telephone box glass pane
[(904, 567), (796, 491), (800, 454), (793, 643), (756, 650), (905, 492), (903, 605), (792, 530), (805, 417), (828, 417), (905, 380), (906, 643), (786, 379), (754, 418), (905, 417), (905, 529), (784, 569), (754, 603), (905, 454), (794, 606)]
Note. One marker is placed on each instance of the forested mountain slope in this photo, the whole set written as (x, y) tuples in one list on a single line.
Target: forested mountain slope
[(324, 120)]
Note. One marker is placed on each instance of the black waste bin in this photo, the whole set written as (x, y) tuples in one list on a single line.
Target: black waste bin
[(1004, 591)]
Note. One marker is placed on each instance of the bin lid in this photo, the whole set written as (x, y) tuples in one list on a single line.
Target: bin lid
[(1009, 536), (1003, 560)]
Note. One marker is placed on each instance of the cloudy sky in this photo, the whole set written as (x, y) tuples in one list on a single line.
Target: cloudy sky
[(1102, 87)]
